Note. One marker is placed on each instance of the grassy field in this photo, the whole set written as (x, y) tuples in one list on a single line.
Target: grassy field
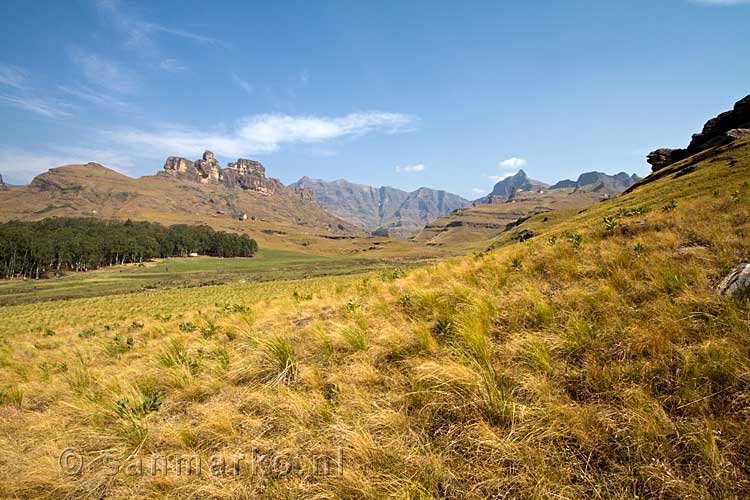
[(269, 265), (595, 360)]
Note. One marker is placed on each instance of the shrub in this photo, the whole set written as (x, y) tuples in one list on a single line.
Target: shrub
[(87, 333), (671, 205), (611, 223), (301, 296), (187, 327)]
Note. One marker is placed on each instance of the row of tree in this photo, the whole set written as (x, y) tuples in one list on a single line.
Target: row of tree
[(36, 249)]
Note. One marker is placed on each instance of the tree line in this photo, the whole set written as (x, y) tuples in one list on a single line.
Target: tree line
[(36, 249)]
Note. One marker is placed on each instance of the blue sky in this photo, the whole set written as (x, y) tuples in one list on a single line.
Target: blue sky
[(450, 95)]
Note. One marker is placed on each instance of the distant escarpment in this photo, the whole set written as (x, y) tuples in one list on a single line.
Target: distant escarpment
[(520, 187), (382, 210), (3, 186), (723, 129)]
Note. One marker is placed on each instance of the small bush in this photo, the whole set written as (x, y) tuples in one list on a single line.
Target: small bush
[(187, 327), (87, 333), (120, 345), (301, 296), (611, 223), (671, 205), (392, 274), (209, 329)]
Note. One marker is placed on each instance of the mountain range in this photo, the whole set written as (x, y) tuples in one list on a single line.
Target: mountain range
[(201, 191), (382, 210)]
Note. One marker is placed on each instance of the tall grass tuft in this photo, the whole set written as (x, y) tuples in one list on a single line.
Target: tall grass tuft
[(279, 362)]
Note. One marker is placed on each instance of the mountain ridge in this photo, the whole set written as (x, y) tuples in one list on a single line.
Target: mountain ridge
[(382, 210)]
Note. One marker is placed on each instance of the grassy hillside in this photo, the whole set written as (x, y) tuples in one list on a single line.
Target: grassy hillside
[(281, 221), (593, 361), (474, 227)]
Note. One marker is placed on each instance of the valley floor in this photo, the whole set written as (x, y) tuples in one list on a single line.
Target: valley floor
[(269, 265)]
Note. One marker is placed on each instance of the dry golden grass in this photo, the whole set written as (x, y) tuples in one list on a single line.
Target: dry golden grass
[(599, 367)]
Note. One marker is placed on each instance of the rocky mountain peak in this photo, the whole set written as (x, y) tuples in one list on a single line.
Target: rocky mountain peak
[(508, 186), (246, 174), (3, 186), (722, 129)]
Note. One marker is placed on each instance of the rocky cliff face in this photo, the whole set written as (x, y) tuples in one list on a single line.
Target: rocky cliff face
[(520, 187), (722, 129), (385, 210), (507, 187), (3, 187), (246, 174)]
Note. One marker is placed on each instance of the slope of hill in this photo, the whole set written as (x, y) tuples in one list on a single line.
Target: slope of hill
[(516, 198), (592, 361), (237, 199), (384, 210)]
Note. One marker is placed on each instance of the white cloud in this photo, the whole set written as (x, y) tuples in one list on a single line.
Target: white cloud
[(103, 72), (259, 134), (172, 65), (513, 163), (243, 84), (36, 105), (478, 191), (12, 76), (409, 169)]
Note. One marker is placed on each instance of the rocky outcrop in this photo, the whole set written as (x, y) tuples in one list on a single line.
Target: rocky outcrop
[(209, 168), (249, 175), (3, 186), (723, 129), (564, 184), (736, 283)]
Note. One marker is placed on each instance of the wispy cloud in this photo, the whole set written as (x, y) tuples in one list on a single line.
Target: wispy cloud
[(36, 105), (103, 72), (478, 191), (260, 134), (12, 76), (140, 32), (97, 98), (21, 95), (513, 163), (243, 84), (172, 65), (410, 169)]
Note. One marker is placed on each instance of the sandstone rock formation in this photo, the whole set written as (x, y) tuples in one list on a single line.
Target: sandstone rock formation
[(723, 129), (246, 174), (736, 283)]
